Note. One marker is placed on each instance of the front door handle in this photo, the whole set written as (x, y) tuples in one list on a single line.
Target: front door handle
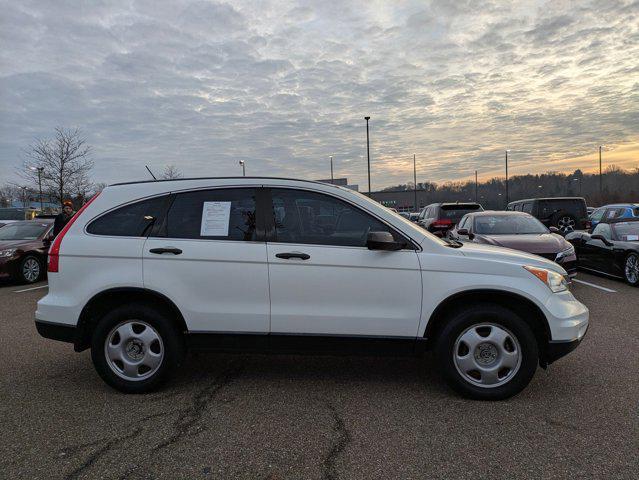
[(160, 251), (300, 255)]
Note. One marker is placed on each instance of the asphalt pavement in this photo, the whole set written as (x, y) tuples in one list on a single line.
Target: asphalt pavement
[(280, 417)]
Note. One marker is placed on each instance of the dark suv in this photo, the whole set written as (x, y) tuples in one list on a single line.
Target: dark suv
[(565, 213), (438, 218)]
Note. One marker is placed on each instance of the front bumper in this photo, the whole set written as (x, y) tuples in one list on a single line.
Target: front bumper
[(556, 350)]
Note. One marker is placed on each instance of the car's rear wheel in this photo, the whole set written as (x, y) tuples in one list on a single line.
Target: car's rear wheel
[(487, 352), (135, 348), (631, 269), (30, 269)]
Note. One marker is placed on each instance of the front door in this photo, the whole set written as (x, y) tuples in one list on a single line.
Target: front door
[(323, 279), (209, 260)]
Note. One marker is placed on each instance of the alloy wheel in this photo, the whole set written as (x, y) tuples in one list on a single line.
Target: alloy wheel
[(487, 355), (566, 224), (134, 350), (632, 268), (31, 269)]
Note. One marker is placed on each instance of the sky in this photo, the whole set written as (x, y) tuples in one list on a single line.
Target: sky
[(284, 85)]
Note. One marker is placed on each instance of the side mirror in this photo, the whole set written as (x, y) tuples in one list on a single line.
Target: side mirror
[(382, 241), (48, 239), (602, 238), (465, 233), (554, 230)]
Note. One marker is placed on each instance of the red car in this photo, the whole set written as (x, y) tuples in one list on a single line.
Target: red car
[(23, 249)]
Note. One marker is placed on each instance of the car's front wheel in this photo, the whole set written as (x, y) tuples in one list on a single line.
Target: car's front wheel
[(631, 269), (134, 348), (487, 352)]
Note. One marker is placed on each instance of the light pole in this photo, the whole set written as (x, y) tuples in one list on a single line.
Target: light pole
[(40, 170), (600, 176), (332, 181), (578, 180), (243, 168), (24, 196), (507, 176), (476, 186), (368, 155), (415, 182)]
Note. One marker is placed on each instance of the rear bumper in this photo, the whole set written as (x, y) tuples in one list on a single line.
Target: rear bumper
[(56, 331)]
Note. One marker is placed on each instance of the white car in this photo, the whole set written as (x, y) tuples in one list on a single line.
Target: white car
[(147, 270)]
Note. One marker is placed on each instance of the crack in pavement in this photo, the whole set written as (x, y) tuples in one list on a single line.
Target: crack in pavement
[(190, 416), (340, 444), (97, 454)]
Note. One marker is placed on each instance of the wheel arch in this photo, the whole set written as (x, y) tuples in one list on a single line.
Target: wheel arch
[(99, 304), (522, 306)]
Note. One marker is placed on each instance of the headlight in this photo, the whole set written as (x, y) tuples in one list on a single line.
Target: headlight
[(555, 281), (8, 252)]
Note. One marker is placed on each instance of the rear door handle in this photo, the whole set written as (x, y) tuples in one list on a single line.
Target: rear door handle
[(287, 255), (160, 251)]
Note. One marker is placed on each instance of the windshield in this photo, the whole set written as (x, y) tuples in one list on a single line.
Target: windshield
[(627, 231), (22, 231), (508, 225)]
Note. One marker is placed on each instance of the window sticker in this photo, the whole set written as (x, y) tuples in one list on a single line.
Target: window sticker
[(215, 219)]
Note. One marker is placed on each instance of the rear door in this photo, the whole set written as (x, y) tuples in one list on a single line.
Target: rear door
[(323, 279), (210, 259)]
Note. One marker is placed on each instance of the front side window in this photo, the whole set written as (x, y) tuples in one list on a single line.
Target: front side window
[(133, 220), (219, 214), (597, 214), (314, 218)]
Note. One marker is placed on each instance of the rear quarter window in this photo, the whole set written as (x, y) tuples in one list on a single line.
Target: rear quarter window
[(133, 220)]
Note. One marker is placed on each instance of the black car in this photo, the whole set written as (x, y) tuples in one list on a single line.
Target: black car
[(438, 218), (612, 249), (565, 213)]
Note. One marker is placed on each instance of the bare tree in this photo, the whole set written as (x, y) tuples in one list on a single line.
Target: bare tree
[(171, 172), (64, 163)]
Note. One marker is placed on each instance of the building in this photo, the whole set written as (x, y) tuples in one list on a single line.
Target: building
[(342, 182)]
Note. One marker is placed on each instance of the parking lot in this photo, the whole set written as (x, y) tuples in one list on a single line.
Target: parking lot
[(276, 417)]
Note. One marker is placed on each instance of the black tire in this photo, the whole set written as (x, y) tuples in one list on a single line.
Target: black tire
[(629, 258), (172, 346), (24, 274), (460, 322)]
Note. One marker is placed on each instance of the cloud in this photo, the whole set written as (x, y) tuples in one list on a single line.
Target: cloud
[(283, 85)]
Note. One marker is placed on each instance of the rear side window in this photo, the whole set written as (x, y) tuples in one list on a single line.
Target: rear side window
[(219, 214), (527, 207), (133, 220)]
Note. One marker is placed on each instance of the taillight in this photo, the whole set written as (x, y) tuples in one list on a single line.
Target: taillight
[(54, 251), (443, 223)]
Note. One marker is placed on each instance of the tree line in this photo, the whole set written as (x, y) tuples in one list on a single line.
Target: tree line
[(617, 185)]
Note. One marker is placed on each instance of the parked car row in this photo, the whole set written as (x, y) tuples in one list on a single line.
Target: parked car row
[(562, 229)]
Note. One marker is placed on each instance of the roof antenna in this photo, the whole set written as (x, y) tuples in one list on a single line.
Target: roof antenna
[(146, 166)]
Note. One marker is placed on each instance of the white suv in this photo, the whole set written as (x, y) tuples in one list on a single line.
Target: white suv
[(147, 270)]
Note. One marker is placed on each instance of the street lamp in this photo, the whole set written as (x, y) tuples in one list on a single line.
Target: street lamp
[(24, 196), (577, 179), (600, 176), (39, 170), (415, 182), (507, 176), (243, 168), (332, 182), (476, 186), (368, 155)]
